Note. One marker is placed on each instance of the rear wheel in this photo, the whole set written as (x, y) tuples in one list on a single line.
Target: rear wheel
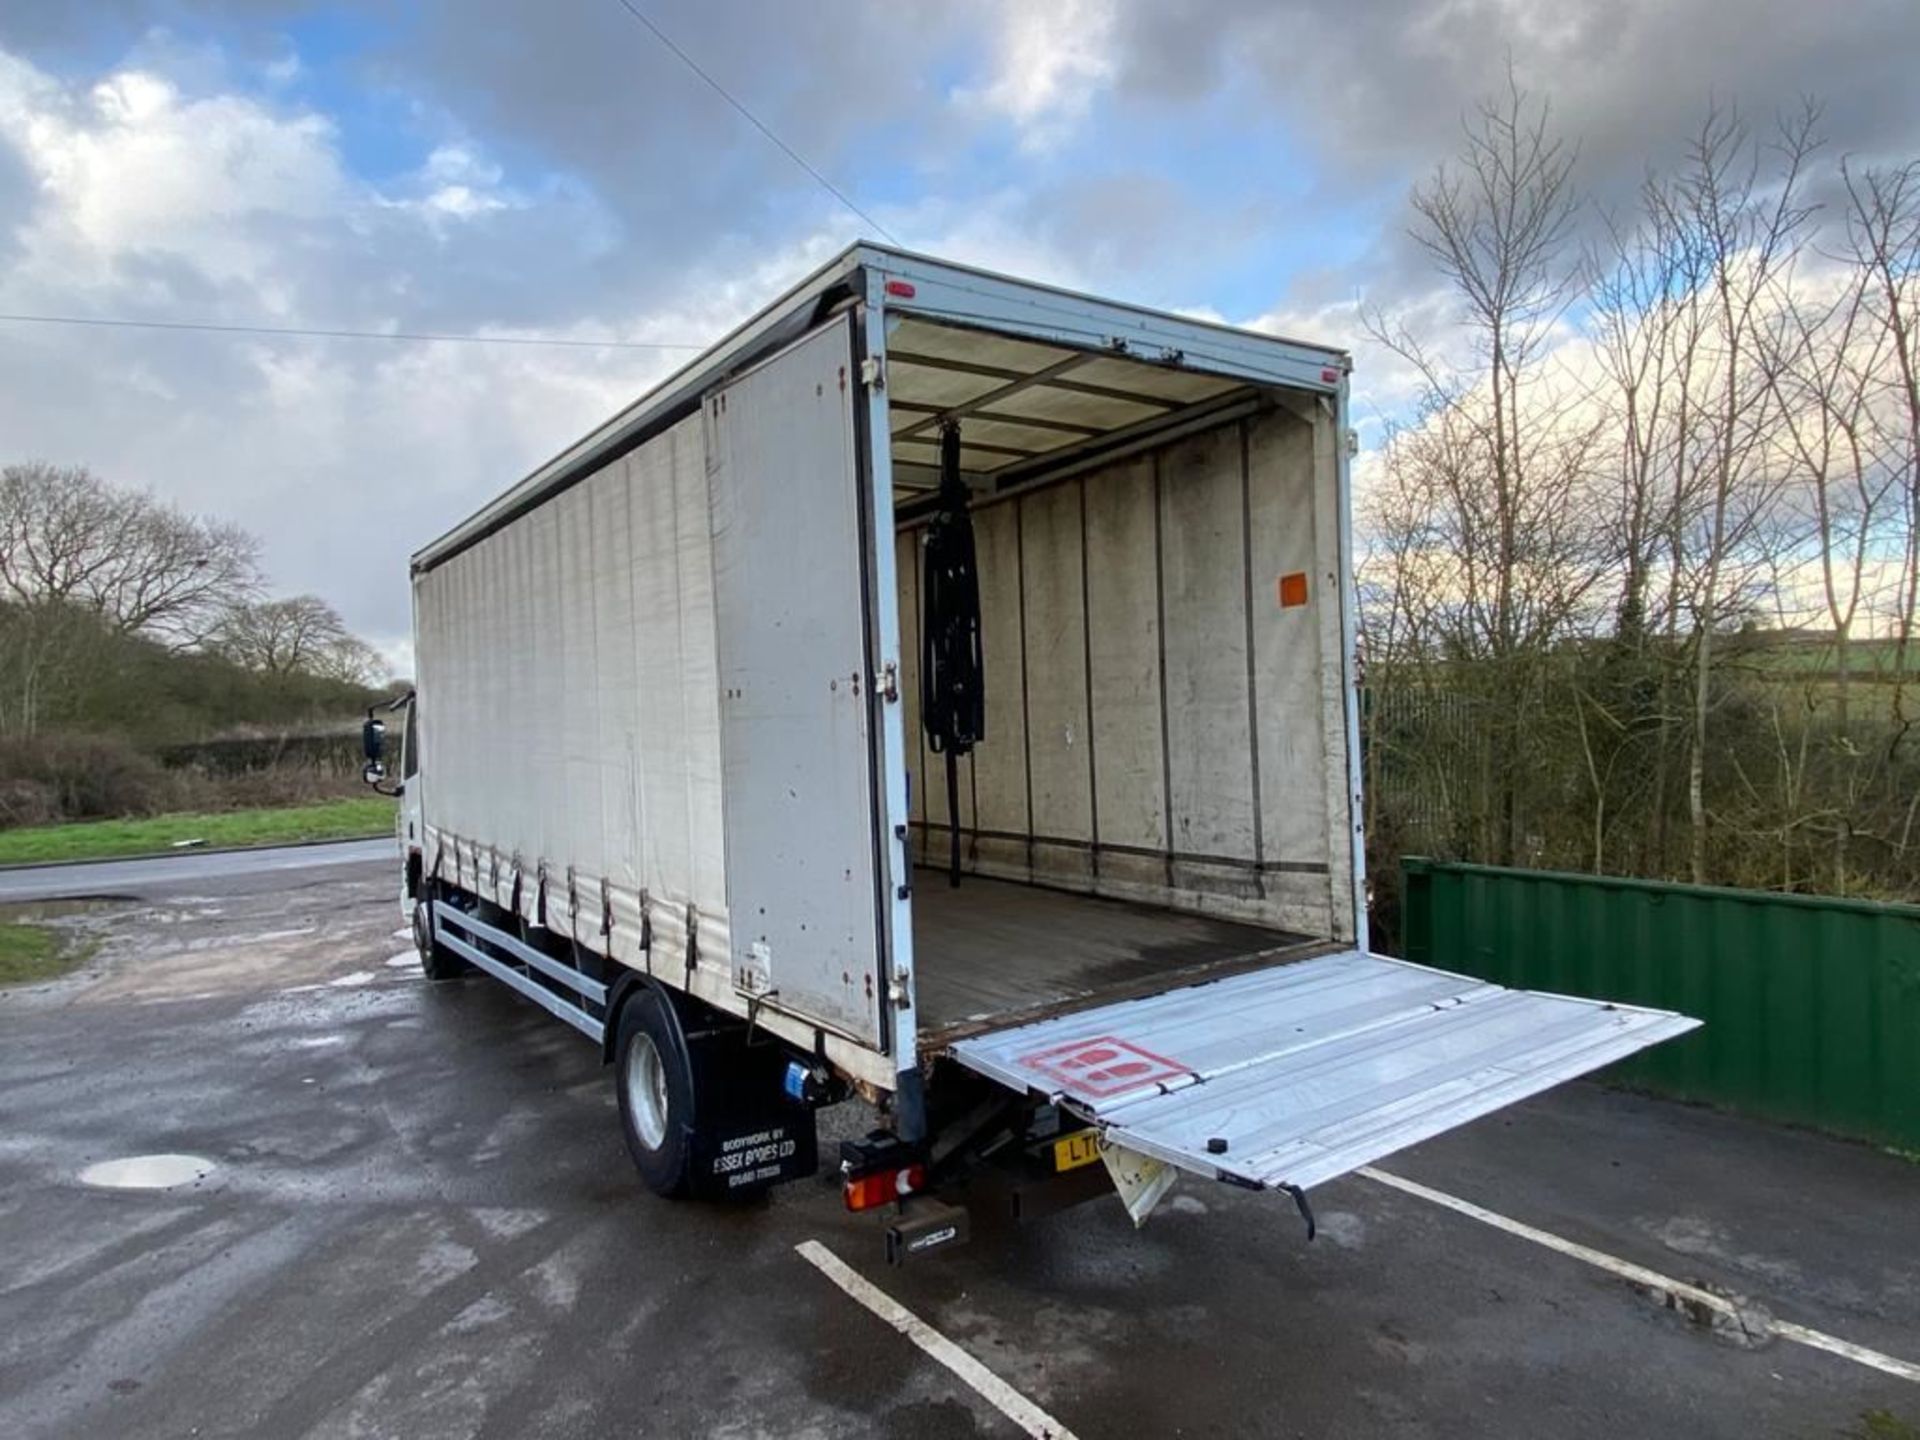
[(436, 960), (654, 1077)]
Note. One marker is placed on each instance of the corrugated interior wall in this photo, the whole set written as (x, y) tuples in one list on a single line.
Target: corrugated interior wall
[(1159, 726), (570, 701)]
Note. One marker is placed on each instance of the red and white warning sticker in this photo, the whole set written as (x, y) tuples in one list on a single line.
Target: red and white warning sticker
[(1101, 1066)]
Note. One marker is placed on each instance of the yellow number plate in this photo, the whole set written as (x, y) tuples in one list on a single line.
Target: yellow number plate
[(1070, 1152)]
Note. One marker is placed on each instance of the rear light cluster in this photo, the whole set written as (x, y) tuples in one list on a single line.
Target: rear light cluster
[(883, 1187)]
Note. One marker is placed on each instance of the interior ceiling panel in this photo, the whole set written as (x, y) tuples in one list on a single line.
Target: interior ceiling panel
[(978, 429), (1156, 380), (1098, 412), (943, 388), (977, 347), (1017, 400), (980, 459)]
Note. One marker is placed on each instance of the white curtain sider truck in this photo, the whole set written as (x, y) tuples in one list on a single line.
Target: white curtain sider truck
[(943, 690)]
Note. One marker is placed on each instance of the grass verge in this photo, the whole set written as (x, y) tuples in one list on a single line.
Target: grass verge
[(33, 952), (349, 819)]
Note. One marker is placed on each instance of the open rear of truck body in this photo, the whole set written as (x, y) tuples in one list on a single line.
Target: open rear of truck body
[(669, 699)]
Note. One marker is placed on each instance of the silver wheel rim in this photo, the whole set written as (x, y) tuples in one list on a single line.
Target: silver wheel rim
[(646, 1080)]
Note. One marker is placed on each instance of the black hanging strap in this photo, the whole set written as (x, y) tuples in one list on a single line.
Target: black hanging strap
[(952, 682)]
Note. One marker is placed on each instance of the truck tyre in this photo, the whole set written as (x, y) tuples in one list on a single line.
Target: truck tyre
[(438, 962), (654, 1076)]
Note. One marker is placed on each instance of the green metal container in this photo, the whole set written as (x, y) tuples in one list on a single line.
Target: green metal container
[(1812, 1005)]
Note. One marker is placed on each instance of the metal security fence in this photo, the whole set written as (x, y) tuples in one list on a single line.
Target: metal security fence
[(1427, 758), (1812, 1006)]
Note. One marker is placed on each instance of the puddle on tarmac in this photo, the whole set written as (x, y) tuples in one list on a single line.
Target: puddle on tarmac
[(147, 1172)]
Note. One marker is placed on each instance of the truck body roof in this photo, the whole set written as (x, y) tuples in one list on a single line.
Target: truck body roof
[(937, 290)]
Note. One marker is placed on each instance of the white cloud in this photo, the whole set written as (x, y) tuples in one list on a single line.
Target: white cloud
[(1049, 62), (344, 455), (130, 166), (341, 454), (1386, 386), (994, 231), (461, 184)]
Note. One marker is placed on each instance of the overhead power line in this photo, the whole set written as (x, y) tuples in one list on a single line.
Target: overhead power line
[(117, 322), (124, 323), (754, 120)]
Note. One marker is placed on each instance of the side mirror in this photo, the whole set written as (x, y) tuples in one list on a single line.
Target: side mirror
[(373, 745)]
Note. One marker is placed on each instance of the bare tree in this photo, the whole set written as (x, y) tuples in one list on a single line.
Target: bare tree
[(354, 662), (1499, 455), (279, 637), (1883, 238), (1637, 284), (1589, 567), (300, 635), (68, 538), (1643, 288), (1749, 225), (1496, 225), (1830, 357)]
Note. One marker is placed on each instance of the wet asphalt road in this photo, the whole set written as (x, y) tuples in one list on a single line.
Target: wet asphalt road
[(423, 1224), (154, 876)]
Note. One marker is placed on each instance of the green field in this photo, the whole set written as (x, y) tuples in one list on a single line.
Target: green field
[(33, 952), (1873, 658), (159, 834)]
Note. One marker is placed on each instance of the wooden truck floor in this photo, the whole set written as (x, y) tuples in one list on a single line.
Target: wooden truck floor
[(993, 952)]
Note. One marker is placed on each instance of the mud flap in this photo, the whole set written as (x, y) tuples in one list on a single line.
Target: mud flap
[(747, 1135)]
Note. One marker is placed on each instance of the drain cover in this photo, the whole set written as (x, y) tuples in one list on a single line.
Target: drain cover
[(147, 1172)]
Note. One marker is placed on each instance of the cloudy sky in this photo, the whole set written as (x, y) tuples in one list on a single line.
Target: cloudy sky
[(497, 168)]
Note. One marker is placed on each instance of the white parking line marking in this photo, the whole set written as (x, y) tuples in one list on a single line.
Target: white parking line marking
[(1641, 1275), (995, 1391)]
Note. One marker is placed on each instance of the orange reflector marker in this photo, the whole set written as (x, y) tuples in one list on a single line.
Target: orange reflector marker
[(883, 1187), (1293, 589)]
